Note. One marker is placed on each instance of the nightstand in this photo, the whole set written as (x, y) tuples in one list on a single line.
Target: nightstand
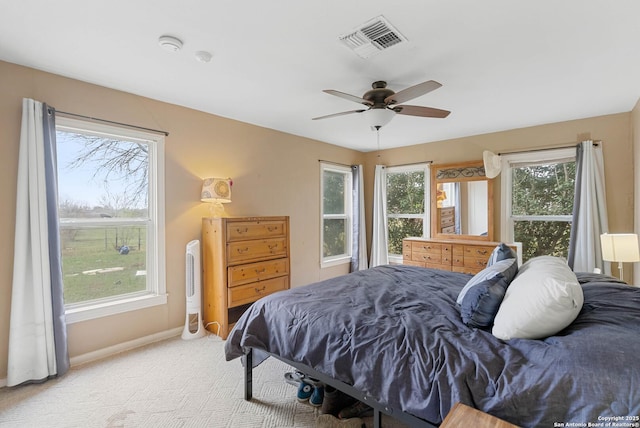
[(463, 416)]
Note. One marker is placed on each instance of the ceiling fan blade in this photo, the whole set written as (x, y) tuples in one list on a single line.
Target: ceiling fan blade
[(348, 97), (421, 111), (338, 114), (412, 92)]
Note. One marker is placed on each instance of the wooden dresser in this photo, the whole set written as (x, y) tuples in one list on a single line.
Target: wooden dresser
[(244, 259), (452, 255), (446, 220)]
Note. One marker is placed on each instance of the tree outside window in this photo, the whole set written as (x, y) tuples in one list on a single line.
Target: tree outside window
[(108, 181), (407, 212), (541, 203), (336, 213)]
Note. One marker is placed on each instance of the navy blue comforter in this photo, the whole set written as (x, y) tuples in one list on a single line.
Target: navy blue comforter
[(395, 333)]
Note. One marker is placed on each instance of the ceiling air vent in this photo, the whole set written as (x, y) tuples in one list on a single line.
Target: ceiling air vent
[(372, 37)]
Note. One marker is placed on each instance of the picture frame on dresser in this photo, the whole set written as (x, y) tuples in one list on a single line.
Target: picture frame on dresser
[(244, 259)]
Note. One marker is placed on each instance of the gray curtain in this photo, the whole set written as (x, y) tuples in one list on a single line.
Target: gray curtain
[(589, 211), (55, 254), (37, 332)]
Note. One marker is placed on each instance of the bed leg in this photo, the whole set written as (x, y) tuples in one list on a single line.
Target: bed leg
[(248, 375), (377, 418)]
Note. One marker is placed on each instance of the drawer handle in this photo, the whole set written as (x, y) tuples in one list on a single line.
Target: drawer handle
[(272, 246), (272, 228), (481, 263), (482, 252), (245, 230), (259, 271), (242, 250), (260, 290)]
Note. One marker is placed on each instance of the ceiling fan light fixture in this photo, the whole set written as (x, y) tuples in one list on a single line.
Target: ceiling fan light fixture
[(170, 43), (378, 117)]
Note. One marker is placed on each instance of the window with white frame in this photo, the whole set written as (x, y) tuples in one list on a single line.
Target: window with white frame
[(111, 209), (336, 212), (407, 207), (537, 193)]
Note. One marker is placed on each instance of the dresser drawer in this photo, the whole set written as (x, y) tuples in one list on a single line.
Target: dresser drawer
[(427, 257), (244, 251), (477, 251), (457, 258), (447, 221), (438, 266), (243, 274), (476, 257), (249, 293), (406, 250), (475, 264), (426, 247), (466, 269), (239, 231)]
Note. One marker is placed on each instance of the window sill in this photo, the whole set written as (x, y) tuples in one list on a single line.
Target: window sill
[(335, 262), (105, 309)]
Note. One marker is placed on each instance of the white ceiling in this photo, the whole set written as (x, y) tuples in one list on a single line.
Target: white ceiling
[(503, 64)]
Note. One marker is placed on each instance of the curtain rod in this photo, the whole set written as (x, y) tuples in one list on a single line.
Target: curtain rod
[(567, 146), (334, 163), (387, 166), (64, 113), (410, 164)]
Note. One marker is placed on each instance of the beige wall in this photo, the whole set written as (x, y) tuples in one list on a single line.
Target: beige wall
[(273, 173)]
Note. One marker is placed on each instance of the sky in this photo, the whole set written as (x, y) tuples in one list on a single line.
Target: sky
[(78, 185)]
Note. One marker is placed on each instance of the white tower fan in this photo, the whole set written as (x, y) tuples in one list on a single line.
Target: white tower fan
[(193, 287)]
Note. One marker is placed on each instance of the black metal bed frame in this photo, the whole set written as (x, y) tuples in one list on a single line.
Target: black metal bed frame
[(378, 408)]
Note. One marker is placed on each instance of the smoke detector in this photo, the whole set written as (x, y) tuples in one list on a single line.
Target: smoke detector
[(170, 43)]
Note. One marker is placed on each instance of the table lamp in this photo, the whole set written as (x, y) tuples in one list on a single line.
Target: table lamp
[(621, 248), (216, 191)]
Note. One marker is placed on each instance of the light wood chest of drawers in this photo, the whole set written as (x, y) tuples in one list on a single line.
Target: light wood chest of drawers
[(244, 259), (452, 255)]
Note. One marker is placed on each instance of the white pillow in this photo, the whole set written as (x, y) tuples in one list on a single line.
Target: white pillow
[(544, 297)]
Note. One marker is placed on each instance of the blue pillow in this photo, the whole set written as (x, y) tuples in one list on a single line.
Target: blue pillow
[(501, 252), (481, 297)]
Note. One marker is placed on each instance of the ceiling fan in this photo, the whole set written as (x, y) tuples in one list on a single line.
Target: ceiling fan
[(382, 103)]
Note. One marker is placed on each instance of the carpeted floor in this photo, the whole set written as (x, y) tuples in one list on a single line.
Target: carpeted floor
[(175, 383)]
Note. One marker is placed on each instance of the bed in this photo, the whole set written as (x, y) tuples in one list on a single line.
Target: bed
[(393, 336)]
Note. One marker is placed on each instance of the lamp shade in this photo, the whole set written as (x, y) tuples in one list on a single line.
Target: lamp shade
[(620, 247), (378, 117), (216, 190)]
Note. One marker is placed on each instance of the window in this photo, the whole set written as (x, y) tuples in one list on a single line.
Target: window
[(336, 214), (538, 192), (407, 212), (111, 209)]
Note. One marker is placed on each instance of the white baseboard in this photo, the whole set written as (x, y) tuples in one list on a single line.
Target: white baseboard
[(116, 349), (125, 346)]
